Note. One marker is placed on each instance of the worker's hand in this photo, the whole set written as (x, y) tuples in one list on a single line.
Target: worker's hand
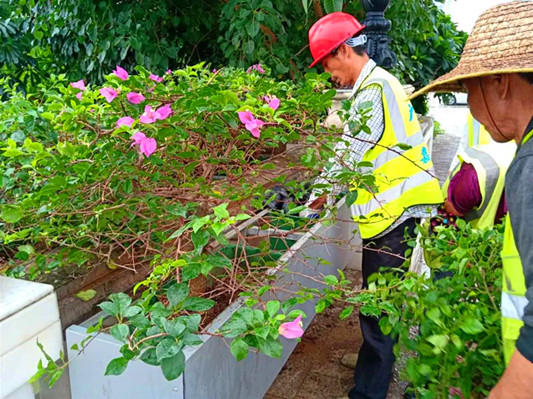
[(517, 381), (448, 206)]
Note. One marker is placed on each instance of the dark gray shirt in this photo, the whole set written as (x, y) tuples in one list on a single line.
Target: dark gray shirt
[(519, 193)]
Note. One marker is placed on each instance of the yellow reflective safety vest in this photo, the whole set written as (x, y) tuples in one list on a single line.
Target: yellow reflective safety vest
[(477, 134), (490, 162), (513, 288), (403, 177)]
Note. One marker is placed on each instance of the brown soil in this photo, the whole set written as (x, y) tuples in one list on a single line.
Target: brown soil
[(314, 370)]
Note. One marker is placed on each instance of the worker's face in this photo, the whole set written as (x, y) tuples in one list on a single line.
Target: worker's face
[(486, 106), (342, 66)]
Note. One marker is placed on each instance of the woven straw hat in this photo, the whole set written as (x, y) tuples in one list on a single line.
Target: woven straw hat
[(501, 42)]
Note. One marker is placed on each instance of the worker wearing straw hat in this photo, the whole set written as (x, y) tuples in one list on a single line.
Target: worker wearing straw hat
[(496, 69)]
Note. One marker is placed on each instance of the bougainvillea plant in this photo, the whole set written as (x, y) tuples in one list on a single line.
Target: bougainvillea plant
[(155, 170)]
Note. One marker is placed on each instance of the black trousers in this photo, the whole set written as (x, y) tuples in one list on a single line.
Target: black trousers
[(376, 358)]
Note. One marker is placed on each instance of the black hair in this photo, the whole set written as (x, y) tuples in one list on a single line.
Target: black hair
[(360, 50), (528, 76)]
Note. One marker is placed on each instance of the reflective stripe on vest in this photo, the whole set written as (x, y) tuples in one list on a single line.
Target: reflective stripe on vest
[(477, 134), (513, 292), (491, 172), (513, 306), (403, 177)]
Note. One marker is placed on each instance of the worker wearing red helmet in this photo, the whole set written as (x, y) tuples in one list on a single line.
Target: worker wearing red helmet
[(406, 189)]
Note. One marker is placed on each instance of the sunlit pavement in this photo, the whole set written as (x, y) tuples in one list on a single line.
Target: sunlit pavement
[(452, 118), (452, 121)]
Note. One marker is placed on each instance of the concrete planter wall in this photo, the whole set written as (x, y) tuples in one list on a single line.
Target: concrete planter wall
[(211, 371)]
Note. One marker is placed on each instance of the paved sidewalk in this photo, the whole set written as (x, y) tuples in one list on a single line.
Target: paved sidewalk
[(314, 370)]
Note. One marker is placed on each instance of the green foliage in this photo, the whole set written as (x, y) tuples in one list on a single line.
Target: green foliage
[(87, 39), (455, 313), (75, 190)]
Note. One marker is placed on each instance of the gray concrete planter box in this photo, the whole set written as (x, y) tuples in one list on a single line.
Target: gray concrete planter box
[(211, 372)]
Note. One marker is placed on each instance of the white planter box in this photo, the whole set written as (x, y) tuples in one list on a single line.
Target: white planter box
[(28, 313), (211, 372)]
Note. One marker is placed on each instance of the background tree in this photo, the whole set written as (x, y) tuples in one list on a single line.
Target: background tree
[(87, 39)]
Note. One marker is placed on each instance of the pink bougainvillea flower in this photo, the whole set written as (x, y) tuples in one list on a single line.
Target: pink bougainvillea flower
[(456, 392), (250, 123), (156, 78), (121, 73), (272, 102), (292, 329), (137, 138), (78, 96), (163, 112), (256, 67), (109, 93), (149, 115), (80, 84), (169, 71), (146, 145), (135, 98), (125, 121)]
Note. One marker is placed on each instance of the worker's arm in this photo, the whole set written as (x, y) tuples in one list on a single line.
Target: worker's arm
[(517, 381), (464, 194), (351, 150)]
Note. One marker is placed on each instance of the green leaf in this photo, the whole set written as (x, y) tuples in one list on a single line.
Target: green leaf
[(221, 211), (440, 340), (11, 213), (351, 197), (174, 366), (331, 280), (131, 311), (332, 6), (472, 326), (252, 28), (305, 4), (403, 146), (320, 306), (149, 357), (270, 347), (168, 347), (109, 307), (200, 239), (177, 293), (174, 327), (120, 332), (86, 295), (140, 321), (272, 308), (239, 349), (234, 327), (122, 301), (346, 312), (198, 304), (116, 366), (199, 223)]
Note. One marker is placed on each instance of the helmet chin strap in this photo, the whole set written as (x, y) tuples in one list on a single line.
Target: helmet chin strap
[(480, 82)]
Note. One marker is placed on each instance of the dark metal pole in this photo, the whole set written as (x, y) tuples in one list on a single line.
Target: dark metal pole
[(376, 30)]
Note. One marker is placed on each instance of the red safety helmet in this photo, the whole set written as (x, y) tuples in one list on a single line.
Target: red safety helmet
[(329, 32)]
